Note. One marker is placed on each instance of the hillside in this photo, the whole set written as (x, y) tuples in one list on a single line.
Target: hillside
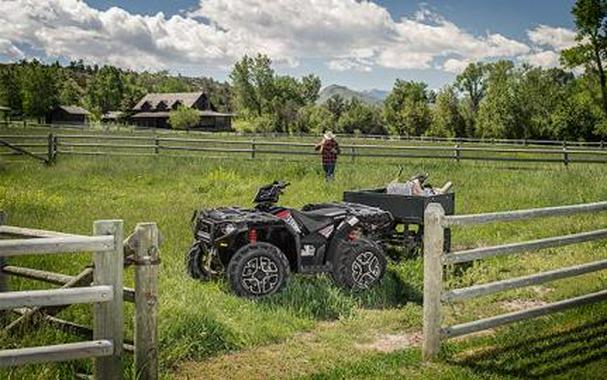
[(369, 97)]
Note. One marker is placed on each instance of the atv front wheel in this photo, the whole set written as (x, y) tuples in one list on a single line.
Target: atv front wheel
[(258, 270), (202, 263), (359, 264)]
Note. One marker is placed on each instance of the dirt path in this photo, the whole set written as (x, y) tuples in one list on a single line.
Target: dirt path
[(324, 347)]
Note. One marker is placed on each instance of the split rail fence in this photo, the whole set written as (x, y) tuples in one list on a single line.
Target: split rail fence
[(105, 340), (51, 145), (435, 259)]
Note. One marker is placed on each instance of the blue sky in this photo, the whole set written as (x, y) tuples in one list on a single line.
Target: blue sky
[(358, 44)]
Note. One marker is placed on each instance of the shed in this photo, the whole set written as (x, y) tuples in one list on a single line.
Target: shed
[(67, 115)]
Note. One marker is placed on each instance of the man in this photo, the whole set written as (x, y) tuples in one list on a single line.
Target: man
[(329, 149)]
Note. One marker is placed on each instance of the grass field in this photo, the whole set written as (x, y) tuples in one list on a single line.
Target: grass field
[(313, 329)]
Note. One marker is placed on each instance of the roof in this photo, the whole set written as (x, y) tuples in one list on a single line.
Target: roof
[(74, 110), (164, 114), (186, 98)]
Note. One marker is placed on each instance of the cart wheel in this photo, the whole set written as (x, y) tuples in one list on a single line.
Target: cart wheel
[(359, 265)]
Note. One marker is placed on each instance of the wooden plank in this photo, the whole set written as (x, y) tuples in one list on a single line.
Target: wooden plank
[(22, 151), (532, 245), (54, 297), (433, 279), (487, 323), (32, 232), (36, 274), (55, 278), (84, 278), (63, 244), (146, 302), (513, 283), (108, 318), (56, 353), (462, 220)]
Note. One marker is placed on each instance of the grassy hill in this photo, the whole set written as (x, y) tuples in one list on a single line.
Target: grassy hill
[(313, 329)]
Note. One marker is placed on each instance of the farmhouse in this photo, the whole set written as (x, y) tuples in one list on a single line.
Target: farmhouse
[(67, 115), (153, 110), (113, 117)]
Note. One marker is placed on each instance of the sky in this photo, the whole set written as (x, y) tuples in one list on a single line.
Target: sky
[(361, 44)]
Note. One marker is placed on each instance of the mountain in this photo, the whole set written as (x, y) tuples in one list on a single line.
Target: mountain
[(369, 97)]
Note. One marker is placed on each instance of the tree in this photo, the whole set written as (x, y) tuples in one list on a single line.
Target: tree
[(310, 88), (38, 89), (360, 118), (184, 118), (590, 18), (315, 119), (472, 82), (10, 88), (498, 115), (105, 90), (406, 108), (69, 91), (447, 120), (336, 105)]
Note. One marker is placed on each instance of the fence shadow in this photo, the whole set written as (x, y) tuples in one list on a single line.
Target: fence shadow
[(544, 356)]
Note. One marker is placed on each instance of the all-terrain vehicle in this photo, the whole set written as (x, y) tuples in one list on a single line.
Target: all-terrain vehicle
[(258, 248)]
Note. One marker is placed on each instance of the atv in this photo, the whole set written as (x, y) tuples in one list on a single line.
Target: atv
[(259, 248)]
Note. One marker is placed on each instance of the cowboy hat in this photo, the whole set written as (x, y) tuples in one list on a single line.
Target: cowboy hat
[(329, 135)]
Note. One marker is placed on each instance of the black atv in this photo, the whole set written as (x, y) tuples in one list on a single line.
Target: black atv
[(258, 248)]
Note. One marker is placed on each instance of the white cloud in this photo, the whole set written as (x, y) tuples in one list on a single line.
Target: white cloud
[(345, 34), (556, 38), (7, 48), (545, 58)]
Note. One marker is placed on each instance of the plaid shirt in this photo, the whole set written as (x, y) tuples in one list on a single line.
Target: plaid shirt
[(329, 149)]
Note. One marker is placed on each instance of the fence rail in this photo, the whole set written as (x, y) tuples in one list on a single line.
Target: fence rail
[(435, 259), (159, 145)]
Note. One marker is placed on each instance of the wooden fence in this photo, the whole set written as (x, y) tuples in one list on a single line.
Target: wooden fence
[(435, 259), (159, 145), (117, 127), (107, 294)]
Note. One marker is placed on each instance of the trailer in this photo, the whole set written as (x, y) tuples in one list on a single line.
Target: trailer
[(407, 230)]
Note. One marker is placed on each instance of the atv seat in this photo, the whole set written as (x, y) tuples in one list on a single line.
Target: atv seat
[(317, 219)]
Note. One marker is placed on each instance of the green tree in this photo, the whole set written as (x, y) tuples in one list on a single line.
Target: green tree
[(105, 90), (38, 89), (406, 109), (447, 120), (315, 119), (184, 118), (361, 118), (69, 91), (336, 105), (590, 18), (310, 88), (10, 88), (498, 115)]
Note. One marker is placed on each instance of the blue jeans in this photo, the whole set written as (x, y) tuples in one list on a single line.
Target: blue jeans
[(329, 169)]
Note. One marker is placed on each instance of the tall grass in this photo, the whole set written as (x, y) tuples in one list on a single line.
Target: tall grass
[(197, 319)]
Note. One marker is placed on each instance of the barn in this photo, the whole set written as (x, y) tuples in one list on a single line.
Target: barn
[(153, 110), (67, 115)]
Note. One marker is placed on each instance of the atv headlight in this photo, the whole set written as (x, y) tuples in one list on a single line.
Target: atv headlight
[(227, 228)]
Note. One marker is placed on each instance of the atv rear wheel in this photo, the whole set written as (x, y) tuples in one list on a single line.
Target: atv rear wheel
[(202, 263), (359, 264), (258, 270)]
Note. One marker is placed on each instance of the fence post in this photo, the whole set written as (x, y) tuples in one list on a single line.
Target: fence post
[(433, 279), (108, 317), (3, 262), (565, 154), (51, 148), (146, 298), (602, 144), (253, 149), (156, 144), (457, 152), (353, 151)]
